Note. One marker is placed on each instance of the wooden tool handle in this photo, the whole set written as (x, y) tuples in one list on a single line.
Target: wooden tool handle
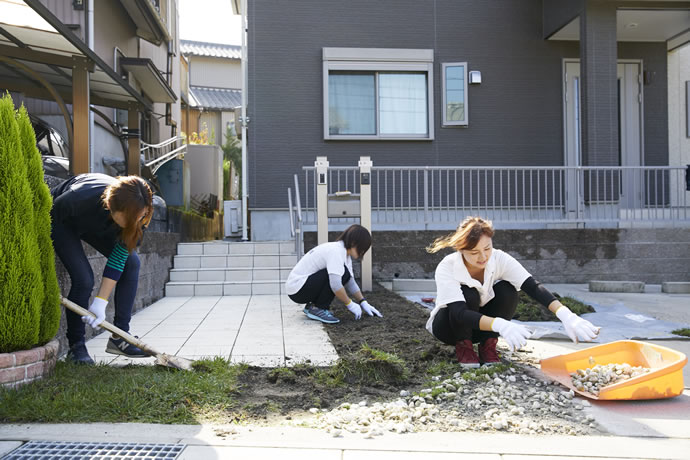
[(110, 327)]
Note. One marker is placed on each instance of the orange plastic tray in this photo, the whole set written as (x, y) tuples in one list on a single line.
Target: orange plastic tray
[(664, 380)]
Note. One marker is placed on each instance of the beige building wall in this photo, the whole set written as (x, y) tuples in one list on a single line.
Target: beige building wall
[(679, 143), (215, 72)]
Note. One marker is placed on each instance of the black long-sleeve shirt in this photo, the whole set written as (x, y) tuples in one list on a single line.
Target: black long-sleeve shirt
[(77, 204)]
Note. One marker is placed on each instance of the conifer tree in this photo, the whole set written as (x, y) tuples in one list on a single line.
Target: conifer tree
[(20, 280), (42, 202)]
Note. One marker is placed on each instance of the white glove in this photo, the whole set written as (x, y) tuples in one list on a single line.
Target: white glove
[(369, 309), (355, 309), (515, 334), (97, 308), (578, 329)]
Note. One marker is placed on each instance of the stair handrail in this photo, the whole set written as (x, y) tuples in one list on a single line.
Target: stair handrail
[(296, 223), (156, 155)]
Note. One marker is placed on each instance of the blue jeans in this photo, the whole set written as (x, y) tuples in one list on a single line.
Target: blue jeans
[(69, 249)]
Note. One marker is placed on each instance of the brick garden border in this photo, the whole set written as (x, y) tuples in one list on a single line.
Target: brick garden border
[(21, 367)]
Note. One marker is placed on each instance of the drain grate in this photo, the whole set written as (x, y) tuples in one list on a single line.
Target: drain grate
[(59, 450)]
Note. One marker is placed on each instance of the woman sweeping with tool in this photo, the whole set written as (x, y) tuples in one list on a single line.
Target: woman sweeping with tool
[(325, 272), (110, 214), (476, 297)]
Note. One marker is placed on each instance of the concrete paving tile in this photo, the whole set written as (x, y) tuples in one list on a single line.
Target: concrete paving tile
[(257, 453), (202, 340), (307, 350), (8, 446), (311, 358), (233, 300), (258, 360), (166, 334), (544, 457), (201, 350), (397, 455), (245, 348)]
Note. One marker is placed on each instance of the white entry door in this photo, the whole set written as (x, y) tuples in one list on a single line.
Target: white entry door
[(629, 130)]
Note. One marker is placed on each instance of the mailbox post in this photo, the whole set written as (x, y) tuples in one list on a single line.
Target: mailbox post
[(321, 165), (365, 165)]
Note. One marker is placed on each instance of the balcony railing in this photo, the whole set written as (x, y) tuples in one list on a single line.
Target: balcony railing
[(513, 197)]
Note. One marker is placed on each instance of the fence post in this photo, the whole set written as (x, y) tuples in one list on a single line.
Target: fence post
[(321, 165), (426, 198), (365, 165)]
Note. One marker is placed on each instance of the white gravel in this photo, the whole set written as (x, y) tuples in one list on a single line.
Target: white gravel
[(512, 402)]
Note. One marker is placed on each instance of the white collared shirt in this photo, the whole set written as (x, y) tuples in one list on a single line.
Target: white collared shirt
[(451, 275), (331, 256)]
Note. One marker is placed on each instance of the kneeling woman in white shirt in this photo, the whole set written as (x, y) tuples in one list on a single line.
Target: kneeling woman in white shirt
[(325, 272), (476, 297)]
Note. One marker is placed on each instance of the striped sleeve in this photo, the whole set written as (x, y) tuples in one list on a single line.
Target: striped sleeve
[(116, 262)]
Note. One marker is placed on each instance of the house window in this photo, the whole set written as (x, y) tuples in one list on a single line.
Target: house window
[(378, 93), (454, 93)]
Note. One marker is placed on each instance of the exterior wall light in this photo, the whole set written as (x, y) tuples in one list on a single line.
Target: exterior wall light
[(475, 77)]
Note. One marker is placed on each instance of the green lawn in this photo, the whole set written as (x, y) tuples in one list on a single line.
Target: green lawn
[(146, 394)]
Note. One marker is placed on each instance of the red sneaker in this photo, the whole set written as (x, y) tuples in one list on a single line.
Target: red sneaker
[(487, 352), (464, 350)]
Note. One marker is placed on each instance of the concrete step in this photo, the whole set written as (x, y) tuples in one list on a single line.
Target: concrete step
[(242, 274), (236, 248), (414, 285), (212, 288), (231, 268), (248, 261)]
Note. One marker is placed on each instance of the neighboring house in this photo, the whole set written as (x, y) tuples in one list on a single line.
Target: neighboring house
[(566, 84), (215, 82), (131, 44)]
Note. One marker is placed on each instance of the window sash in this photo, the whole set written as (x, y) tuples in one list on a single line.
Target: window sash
[(454, 94), (394, 105)]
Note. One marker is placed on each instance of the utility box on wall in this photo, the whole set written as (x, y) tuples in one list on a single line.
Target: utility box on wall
[(173, 178)]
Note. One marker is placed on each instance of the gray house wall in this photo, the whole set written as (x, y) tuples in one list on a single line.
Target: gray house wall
[(515, 115)]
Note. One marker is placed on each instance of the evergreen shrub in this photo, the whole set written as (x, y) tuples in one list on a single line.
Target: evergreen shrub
[(21, 280), (42, 203)]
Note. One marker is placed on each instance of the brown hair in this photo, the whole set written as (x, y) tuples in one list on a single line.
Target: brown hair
[(356, 236), (466, 236), (129, 195)]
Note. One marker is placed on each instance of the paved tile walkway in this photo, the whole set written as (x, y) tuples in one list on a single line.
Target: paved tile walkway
[(261, 330)]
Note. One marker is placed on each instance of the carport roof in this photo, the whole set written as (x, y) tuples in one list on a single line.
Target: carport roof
[(33, 37)]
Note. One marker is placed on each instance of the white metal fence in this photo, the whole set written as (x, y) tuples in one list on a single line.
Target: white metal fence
[(414, 198)]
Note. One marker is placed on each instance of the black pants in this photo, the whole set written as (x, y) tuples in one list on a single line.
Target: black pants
[(317, 289), (69, 249), (449, 329)]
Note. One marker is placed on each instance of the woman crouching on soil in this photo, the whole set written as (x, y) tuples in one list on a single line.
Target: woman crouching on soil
[(110, 214), (325, 272), (477, 294)]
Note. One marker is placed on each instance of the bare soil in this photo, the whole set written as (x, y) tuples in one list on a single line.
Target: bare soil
[(360, 376)]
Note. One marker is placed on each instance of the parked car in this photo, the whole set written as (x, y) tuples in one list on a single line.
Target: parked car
[(53, 148)]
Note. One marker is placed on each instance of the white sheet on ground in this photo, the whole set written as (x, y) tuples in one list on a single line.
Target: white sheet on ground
[(617, 322)]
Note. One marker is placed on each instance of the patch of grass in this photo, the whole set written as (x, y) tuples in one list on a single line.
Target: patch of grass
[(369, 366), (442, 368), (529, 309), (145, 394), (685, 331), (282, 374)]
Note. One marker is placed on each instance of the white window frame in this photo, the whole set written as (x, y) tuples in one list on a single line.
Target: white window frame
[(379, 60), (444, 120)]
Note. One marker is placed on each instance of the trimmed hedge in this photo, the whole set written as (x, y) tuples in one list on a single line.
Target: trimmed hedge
[(21, 278)]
